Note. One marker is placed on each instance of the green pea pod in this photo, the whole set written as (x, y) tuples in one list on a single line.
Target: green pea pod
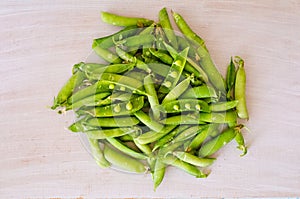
[(145, 119), (106, 54), (198, 139), (241, 143), (67, 90), (109, 41), (114, 68), (223, 106), (88, 68), (191, 169), (159, 173), (98, 153), (186, 30), (169, 137), (93, 100), (203, 91), (218, 142), (194, 160), (240, 90), (167, 59), (152, 136), (110, 133), (230, 76), (131, 59), (174, 73), (119, 109), (167, 27), (152, 96), (112, 122), (177, 90), (189, 133), (159, 69), (185, 105), (137, 40), (123, 161), (118, 20), (220, 117), (120, 146)]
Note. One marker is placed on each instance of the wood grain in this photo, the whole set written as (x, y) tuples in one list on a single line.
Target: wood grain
[(41, 40)]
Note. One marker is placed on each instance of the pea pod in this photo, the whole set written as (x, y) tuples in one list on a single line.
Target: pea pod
[(186, 30), (137, 40), (152, 96), (118, 20), (117, 144), (230, 78), (223, 106), (152, 136), (189, 133), (124, 108), (174, 73), (110, 133), (198, 139), (67, 90), (93, 100), (112, 122), (241, 143), (191, 169), (169, 137), (218, 142), (240, 90), (144, 118), (106, 54), (177, 91), (98, 153), (185, 105), (194, 160), (167, 27), (123, 161), (159, 173), (167, 59), (109, 41)]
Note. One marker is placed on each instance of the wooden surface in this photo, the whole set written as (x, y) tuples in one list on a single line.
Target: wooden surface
[(41, 40)]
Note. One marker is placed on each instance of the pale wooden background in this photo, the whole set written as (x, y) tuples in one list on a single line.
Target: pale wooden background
[(41, 40)]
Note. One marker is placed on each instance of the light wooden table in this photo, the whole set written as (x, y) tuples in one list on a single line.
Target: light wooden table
[(41, 40)]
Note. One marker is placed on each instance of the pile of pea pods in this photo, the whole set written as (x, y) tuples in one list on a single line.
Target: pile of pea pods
[(157, 100)]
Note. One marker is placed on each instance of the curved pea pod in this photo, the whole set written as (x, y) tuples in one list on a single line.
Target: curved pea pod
[(125, 149), (132, 59), (175, 72), (123, 161), (219, 117), (212, 72), (111, 132), (191, 169), (165, 23), (194, 160), (185, 105), (230, 78), (186, 30), (169, 137), (106, 54), (241, 143), (152, 124), (124, 108), (177, 90), (159, 173), (218, 142), (167, 59), (90, 67), (223, 106), (98, 153), (159, 69), (137, 40), (123, 81), (118, 20), (189, 133), (109, 41), (203, 91), (79, 126), (198, 139), (114, 68), (67, 90), (152, 96), (182, 120), (112, 122), (240, 90), (93, 100), (152, 136)]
